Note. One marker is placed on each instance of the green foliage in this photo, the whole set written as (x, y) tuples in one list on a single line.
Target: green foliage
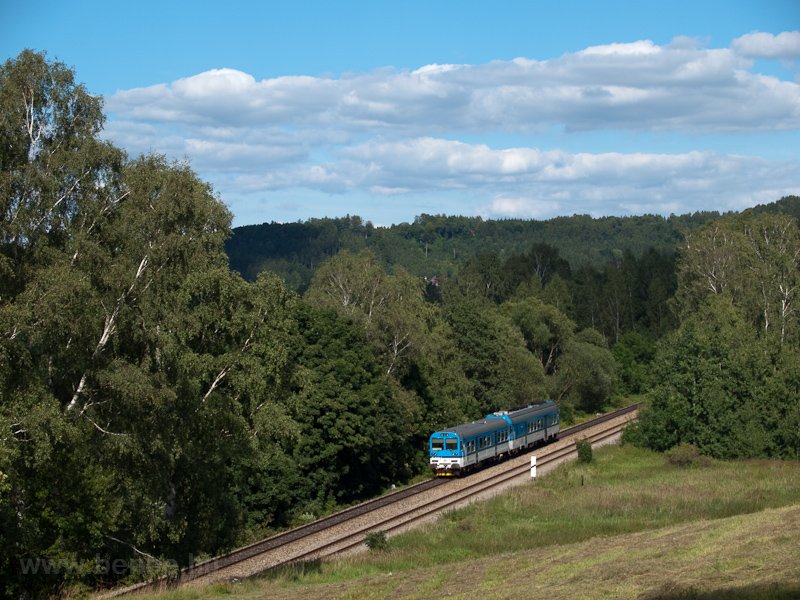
[(441, 246), (438, 379), (584, 448), (141, 380), (634, 354), (353, 426), (546, 330), (753, 260), (295, 250), (501, 370), (685, 455), (376, 540), (727, 378), (390, 308), (587, 375), (722, 388)]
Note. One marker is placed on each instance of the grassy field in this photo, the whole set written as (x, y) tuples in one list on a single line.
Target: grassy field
[(626, 526)]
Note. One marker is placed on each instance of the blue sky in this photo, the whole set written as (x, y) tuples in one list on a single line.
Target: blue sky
[(295, 110)]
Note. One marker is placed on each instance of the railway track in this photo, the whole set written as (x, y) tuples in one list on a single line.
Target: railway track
[(347, 529)]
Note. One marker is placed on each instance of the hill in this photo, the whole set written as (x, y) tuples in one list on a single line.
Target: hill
[(439, 245)]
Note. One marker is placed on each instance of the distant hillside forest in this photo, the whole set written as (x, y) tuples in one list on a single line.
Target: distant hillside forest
[(438, 246), (157, 406)]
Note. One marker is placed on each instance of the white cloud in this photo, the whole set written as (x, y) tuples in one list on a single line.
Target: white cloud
[(767, 45), (520, 207), (638, 86), (392, 134), (215, 82), (527, 182), (635, 48)]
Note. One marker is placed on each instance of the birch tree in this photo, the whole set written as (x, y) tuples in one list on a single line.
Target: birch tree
[(138, 376), (773, 261), (753, 261), (390, 307), (710, 264)]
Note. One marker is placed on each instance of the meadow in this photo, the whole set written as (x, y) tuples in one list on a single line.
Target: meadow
[(627, 525)]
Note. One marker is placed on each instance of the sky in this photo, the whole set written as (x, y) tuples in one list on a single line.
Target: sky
[(388, 110)]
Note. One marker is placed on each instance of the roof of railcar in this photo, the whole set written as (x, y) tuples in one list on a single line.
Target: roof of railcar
[(525, 414), (493, 423), (469, 430)]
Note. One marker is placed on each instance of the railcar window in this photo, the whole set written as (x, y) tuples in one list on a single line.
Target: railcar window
[(437, 444), (451, 444)]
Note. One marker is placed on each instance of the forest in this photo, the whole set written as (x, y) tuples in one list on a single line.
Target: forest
[(171, 388)]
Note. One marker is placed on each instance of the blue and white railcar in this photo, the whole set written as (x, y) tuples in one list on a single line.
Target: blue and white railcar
[(465, 447)]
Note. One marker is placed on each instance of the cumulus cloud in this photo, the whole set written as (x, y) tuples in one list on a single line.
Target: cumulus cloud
[(531, 183), (521, 207), (393, 133), (767, 45), (637, 85)]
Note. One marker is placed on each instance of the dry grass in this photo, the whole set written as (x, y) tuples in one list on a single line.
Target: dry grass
[(748, 556), (626, 526)]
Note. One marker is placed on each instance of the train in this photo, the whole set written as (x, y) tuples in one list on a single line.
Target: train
[(464, 448)]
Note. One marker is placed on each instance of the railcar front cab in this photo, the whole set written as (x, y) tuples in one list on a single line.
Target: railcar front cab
[(464, 447), (447, 455)]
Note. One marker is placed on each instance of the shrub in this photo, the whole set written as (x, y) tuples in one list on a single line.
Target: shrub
[(584, 451), (685, 455), (632, 434), (376, 540)]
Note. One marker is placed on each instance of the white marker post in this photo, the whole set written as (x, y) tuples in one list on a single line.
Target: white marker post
[(533, 467)]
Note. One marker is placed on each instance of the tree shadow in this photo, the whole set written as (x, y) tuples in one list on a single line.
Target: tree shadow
[(294, 571), (777, 591)]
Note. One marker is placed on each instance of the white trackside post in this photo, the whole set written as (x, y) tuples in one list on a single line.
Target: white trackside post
[(533, 467)]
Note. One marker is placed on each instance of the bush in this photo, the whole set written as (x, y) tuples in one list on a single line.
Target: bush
[(632, 434), (685, 455), (376, 540), (584, 451)]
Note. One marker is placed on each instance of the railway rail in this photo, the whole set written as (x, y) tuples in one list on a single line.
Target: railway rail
[(346, 530)]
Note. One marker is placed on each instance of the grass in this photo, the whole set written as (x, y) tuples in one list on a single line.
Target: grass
[(627, 524)]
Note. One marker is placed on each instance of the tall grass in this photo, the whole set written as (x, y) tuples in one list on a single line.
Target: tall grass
[(623, 491)]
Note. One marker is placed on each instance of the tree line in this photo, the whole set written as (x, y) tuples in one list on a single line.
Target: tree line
[(439, 245), (157, 404)]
